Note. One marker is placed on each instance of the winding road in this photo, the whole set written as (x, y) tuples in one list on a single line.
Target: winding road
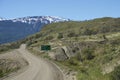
[(38, 69)]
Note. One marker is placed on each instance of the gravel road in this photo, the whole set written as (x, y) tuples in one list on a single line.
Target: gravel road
[(38, 69)]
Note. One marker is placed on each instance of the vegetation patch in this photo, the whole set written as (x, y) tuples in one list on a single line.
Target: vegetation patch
[(7, 66)]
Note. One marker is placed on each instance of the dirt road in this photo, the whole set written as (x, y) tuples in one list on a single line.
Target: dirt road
[(38, 69)]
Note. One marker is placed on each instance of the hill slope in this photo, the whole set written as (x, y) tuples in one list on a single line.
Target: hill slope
[(90, 48)]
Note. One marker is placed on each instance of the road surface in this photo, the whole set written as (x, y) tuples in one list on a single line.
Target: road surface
[(38, 69)]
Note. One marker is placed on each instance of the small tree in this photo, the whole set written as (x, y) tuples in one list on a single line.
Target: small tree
[(60, 35)]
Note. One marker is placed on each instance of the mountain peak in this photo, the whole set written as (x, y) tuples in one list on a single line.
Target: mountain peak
[(1, 19), (41, 19)]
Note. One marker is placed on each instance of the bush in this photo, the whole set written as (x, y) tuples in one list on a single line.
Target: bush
[(60, 35), (71, 34), (78, 56), (29, 43), (6, 47), (7, 66), (73, 62), (49, 38), (38, 35), (116, 74), (87, 54)]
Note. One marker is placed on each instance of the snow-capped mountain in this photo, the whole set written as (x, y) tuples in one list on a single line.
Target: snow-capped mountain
[(41, 19), (19, 28), (1, 19)]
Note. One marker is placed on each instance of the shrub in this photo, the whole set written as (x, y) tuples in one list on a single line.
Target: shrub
[(87, 54), (115, 75), (73, 62), (29, 43), (87, 32), (60, 35), (71, 34), (78, 56), (7, 66), (38, 35), (6, 47), (49, 38)]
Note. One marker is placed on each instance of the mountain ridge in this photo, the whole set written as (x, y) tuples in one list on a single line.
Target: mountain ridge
[(19, 28), (29, 19)]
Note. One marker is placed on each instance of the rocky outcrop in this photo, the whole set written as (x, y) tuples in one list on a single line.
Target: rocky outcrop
[(60, 54), (70, 50), (66, 52)]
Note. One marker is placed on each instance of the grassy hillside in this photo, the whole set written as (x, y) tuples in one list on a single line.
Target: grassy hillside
[(91, 27), (91, 30), (95, 43)]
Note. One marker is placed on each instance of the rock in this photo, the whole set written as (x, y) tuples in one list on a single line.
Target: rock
[(60, 54), (64, 53)]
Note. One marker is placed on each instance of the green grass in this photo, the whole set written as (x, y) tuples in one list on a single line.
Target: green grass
[(85, 71)]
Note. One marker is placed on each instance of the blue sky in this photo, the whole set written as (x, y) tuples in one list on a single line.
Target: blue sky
[(73, 9)]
